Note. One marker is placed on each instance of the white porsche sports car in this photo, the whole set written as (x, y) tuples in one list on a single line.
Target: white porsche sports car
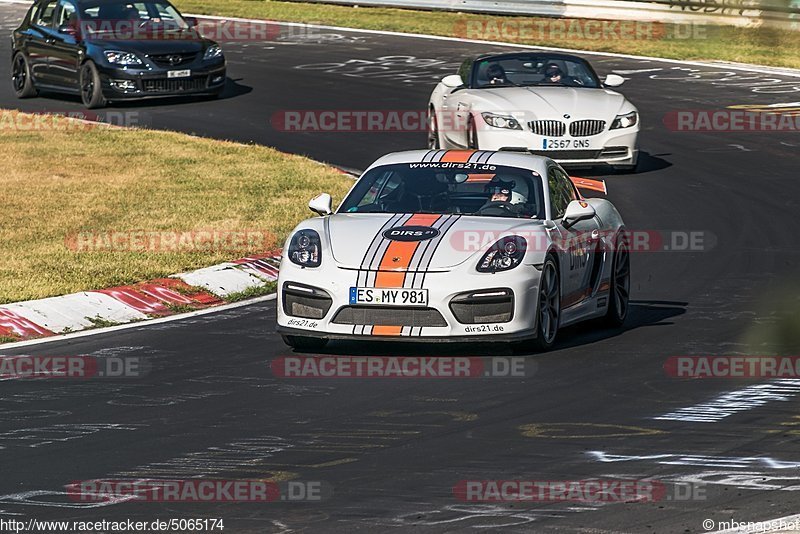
[(454, 246), (545, 103)]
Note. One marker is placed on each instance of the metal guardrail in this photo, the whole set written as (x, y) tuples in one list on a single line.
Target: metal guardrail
[(774, 13)]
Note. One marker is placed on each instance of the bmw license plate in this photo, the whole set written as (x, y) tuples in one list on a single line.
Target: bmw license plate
[(388, 296), (565, 144), (179, 73)]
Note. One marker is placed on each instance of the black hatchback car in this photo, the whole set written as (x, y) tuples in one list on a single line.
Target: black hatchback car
[(110, 50)]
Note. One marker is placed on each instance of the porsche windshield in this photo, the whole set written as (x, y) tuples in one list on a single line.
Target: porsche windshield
[(536, 70), (446, 187)]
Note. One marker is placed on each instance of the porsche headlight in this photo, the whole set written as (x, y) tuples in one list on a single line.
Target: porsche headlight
[(625, 121), (504, 255), (305, 249), (501, 121), (126, 59), (213, 52)]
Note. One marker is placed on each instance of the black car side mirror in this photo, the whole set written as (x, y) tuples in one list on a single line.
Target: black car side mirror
[(67, 29), (191, 21)]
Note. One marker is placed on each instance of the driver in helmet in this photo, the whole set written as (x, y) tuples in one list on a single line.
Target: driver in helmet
[(503, 199), (554, 74)]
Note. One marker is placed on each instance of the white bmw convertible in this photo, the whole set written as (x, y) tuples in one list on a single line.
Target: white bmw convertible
[(454, 246), (545, 103)]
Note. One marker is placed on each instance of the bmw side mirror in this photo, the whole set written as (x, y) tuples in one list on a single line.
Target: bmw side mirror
[(577, 210), (613, 80), (321, 204), (452, 81)]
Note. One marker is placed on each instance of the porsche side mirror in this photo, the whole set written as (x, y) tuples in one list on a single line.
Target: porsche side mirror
[(452, 81), (613, 80), (321, 204), (577, 210)]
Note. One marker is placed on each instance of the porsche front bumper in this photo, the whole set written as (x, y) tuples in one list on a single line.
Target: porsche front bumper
[(436, 322)]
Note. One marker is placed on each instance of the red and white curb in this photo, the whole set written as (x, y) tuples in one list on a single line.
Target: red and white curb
[(153, 299)]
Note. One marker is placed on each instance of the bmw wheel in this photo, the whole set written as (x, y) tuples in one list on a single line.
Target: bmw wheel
[(91, 87), (472, 135), (21, 77), (433, 131)]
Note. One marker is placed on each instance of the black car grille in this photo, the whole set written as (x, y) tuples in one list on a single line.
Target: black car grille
[(568, 154), (586, 128), (173, 60), (547, 128), (486, 306), (177, 85), (614, 152), (305, 301), (389, 316)]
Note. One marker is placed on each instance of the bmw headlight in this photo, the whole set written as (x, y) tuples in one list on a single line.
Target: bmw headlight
[(212, 52), (501, 121), (625, 121), (504, 255), (305, 249), (125, 59)]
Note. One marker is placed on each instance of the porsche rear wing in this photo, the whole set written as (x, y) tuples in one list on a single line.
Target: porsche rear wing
[(589, 185)]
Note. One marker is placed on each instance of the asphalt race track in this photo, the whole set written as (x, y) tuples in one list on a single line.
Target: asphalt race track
[(392, 450)]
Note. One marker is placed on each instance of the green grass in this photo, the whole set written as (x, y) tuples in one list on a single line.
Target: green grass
[(748, 45), (58, 183), (253, 292)]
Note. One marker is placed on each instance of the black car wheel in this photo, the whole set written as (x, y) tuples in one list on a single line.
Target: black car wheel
[(91, 87), (619, 296), (21, 77)]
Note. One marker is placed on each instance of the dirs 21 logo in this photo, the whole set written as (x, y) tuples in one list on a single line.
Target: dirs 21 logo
[(410, 233)]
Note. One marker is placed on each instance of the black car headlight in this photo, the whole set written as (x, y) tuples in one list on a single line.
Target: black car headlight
[(501, 121), (124, 59), (305, 249), (504, 255), (213, 52), (625, 121)]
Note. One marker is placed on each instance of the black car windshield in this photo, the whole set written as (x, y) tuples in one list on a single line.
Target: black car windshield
[(111, 15), (447, 187), (533, 70)]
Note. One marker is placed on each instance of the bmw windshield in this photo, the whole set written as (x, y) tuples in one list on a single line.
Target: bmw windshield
[(444, 188), (533, 70)]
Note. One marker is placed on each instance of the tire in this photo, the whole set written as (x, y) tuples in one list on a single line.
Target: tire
[(433, 131), (305, 343), (619, 291), (21, 77), (91, 87), (548, 310), (472, 135)]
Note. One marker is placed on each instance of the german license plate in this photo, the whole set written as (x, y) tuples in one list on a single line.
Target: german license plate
[(388, 296), (179, 73)]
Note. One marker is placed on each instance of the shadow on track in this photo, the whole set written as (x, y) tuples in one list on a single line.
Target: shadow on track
[(642, 313)]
